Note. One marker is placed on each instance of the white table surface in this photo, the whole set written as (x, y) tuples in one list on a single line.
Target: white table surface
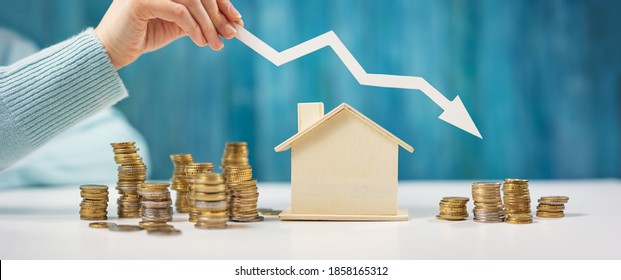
[(43, 223)]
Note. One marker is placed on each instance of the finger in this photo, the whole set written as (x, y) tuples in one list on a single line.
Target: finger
[(219, 20), (200, 15), (179, 14), (227, 8)]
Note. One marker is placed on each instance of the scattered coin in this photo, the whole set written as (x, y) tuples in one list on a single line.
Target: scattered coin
[(101, 225), (116, 227), (268, 212), (164, 232)]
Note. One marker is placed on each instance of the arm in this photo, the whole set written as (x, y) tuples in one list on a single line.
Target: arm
[(44, 94)]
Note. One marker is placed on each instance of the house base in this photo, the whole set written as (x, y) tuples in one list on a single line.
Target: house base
[(286, 215)]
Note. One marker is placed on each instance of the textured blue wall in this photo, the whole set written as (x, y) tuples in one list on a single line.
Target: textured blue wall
[(541, 79)]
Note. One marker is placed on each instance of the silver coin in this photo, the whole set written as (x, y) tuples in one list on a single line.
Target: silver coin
[(157, 204), (210, 204)]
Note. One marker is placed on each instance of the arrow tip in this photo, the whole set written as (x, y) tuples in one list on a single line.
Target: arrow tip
[(456, 114)]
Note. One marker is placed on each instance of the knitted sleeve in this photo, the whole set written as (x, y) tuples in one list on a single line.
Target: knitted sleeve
[(43, 94)]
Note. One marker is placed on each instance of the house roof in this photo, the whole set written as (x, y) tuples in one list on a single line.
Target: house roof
[(287, 144)]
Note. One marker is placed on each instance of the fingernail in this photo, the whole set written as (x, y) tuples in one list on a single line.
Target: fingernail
[(235, 12), (230, 30), (217, 45)]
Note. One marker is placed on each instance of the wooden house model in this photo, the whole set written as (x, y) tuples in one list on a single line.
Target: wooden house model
[(344, 167)]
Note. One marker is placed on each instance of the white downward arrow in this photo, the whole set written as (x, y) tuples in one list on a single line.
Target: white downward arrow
[(454, 113)]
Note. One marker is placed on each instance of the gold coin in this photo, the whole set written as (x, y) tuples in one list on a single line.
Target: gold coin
[(519, 181), (556, 198), (100, 224), (456, 198), (542, 214), (210, 197), (519, 221), (116, 227)]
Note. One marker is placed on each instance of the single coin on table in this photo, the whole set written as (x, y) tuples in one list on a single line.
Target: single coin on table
[(101, 224), (164, 231), (124, 228)]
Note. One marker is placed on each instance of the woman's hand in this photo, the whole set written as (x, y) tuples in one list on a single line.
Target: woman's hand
[(133, 27)]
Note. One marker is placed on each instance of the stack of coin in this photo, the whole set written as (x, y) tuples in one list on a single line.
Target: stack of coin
[(453, 208), (94, 205), (192, 170), (235, 153), (132, 173), (179, 181), (241, 188), (156, 204), (488, 206), (243, 196), (552, 206), (517, 201), (209, 196)]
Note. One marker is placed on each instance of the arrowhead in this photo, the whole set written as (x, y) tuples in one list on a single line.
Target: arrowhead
[(456, 114)]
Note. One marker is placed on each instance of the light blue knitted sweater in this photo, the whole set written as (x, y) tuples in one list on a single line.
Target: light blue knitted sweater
[(44, 94)]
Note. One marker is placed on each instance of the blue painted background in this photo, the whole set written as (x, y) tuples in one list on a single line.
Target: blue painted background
[(541, 79)]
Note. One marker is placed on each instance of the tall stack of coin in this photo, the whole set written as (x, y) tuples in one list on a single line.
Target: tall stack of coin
[(94, 205), (453, 208), (179, 181), (132, 173), (156, 203), (209, 196), (517, 201), (192, 170), (552, 206), (242, 189), (488, 206)]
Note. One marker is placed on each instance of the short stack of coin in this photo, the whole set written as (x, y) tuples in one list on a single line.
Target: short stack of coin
[(209, 196), (488, 206), (156, 204), (453, 208), (192, 170), (132, 173), (516, 200), (94, 205), (179, 181), (552, 206)]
